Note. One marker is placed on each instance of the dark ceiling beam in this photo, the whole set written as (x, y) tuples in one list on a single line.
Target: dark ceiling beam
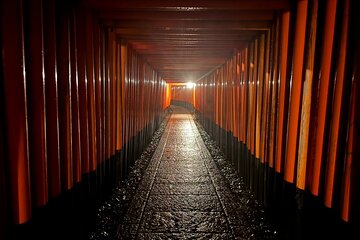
[(186, 39), (186, 69), (181, 73), (212, 15), (190, 46), (176, 32), (186, 65), (195, 64), (200, 68), (200, 39), (184, 59), (179, 53), (192, 64), (188, 49), (183, 76), (210, 53), (186, 5), (179, 41), (181, 34), (175, 24)]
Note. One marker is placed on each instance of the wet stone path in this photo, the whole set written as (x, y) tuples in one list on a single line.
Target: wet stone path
[(182, 194)]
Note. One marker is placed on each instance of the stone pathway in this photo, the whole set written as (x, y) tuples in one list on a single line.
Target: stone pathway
[(182, 194)]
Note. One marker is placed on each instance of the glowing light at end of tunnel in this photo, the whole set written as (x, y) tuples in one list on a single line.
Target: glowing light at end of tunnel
[(190, 85)]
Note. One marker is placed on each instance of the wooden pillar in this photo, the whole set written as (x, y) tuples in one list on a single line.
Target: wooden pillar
[(110, 88), (296, 89), (113, 94), (34, 55), (83, 82), (274, 81), (107, 92), (90, 75), (283, 68), (119, 106), (245, 98), (51, 93), (350, 196), (259, 95), (5, 199), (323, 94), (237, 99), (75, 118), (217, 93), (103, 107), (249, 95), (123, 93), (221, 106), (14, 84), (254, 88), (302, 156), (265, 97), (97, 86), (64, 93), (340, 105)]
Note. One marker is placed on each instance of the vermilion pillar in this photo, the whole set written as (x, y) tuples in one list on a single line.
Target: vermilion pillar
[(350, 184), (119, 106), (15, 108), (323, 94), (51, 93), (75, 118), (283, 68), (36, 80), (64, 93), (259, 83), (264, 100), (296, 88), (274, 88), (307, 105), (122, 85), (83, 82), (98, 91), (339, 111), (90, 77)]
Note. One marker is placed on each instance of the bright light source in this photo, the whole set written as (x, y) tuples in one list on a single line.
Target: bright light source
[(190, 85)]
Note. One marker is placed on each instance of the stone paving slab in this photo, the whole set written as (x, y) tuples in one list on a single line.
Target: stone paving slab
[(182, 178), (185, 236), (183, 195), (192, 222), (183, 188), (183, 203)]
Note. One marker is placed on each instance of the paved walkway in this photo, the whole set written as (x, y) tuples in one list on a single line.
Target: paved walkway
[(182, 194)]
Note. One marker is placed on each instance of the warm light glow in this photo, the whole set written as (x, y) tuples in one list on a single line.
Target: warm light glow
[(190, 85)]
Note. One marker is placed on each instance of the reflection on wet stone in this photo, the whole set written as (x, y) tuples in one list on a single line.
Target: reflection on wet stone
[(185, 236), (183, 188), (182, 178), (188, 192), (206, 222), (183, 203)]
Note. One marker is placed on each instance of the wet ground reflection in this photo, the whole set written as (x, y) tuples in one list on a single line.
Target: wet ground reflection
[(185, 193)]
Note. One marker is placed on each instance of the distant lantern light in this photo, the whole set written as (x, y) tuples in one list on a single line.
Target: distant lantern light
[(190, 85)]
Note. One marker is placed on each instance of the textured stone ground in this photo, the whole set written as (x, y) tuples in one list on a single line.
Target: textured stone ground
[(177, 189), (183, 194)]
